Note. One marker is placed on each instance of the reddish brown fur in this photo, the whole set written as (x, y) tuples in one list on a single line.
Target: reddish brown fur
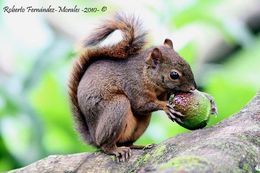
[(133, 41), (114, 89)]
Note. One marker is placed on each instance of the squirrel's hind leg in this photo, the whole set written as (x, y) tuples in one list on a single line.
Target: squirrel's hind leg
[(140, 127), (113, 126)]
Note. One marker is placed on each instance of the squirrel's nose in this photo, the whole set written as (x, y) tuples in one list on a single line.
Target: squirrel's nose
[(192, 88)]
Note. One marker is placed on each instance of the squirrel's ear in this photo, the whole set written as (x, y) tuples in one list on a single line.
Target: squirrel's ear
[(168, 43), (154, 58)]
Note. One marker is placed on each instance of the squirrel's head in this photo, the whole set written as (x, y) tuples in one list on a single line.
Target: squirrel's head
[(166, 69)]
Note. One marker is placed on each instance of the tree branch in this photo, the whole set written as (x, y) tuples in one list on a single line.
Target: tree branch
[(231, 146)]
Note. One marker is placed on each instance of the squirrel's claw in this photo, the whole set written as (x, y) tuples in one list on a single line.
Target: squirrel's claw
[(122, 154), (171, 110), (172, 113)]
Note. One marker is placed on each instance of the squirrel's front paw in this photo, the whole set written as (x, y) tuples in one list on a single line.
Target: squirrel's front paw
[(172, 113)]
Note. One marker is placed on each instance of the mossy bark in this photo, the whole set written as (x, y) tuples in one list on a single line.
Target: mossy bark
[(231, 146)]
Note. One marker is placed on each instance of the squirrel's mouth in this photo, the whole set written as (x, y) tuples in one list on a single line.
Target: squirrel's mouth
[(176, 90), (186, 88), (172, 92)]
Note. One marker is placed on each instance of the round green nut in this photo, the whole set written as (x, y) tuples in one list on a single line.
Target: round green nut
[(195, 108)]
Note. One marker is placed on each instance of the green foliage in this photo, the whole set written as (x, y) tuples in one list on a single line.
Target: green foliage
[(204, 12), (59, 133), (189, 52), (236, 82)]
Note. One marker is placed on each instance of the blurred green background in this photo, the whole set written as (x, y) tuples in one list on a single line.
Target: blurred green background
[(220, 39)]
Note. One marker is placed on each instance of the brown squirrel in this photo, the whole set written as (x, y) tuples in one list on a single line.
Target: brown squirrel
[(114, 89)]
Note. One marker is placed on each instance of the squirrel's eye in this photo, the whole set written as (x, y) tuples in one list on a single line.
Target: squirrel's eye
[(174, 75)]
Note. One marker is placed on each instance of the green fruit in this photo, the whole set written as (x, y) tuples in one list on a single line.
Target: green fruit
[(195, 107)]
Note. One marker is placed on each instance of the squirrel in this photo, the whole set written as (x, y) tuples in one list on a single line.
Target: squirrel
[(114, 89)]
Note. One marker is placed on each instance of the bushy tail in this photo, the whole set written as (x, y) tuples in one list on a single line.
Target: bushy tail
[(78, 69), (132, 43), (133, 36)]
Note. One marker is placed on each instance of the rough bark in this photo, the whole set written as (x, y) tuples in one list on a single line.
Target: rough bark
[(230, 146)]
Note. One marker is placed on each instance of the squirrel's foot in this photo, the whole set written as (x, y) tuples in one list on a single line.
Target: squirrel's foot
[(172, 113), (122, 153)]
